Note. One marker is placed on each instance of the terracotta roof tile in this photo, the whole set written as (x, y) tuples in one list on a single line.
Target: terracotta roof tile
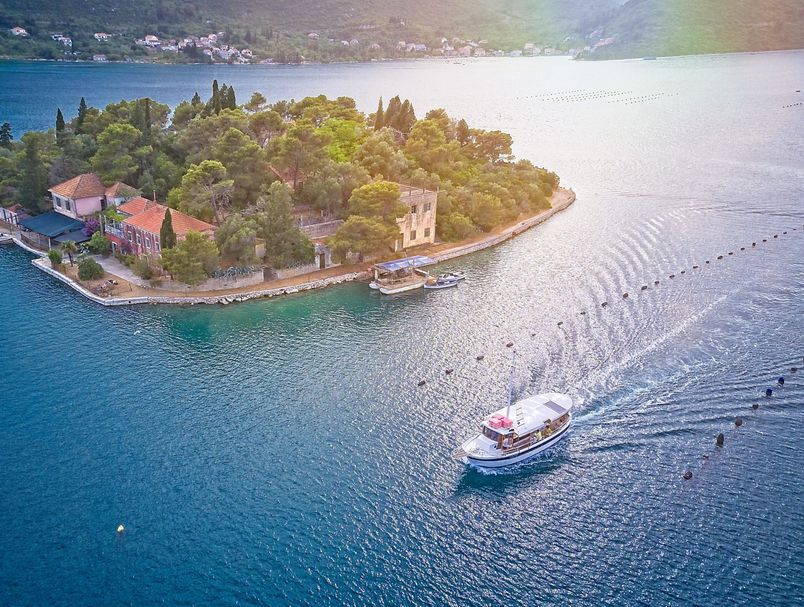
[(83, 186), (151, 219), (136, 205), (118, 188)]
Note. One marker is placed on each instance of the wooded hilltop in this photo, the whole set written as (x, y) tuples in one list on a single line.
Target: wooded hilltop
[(246, 167)]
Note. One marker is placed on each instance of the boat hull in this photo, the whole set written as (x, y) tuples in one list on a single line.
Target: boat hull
[(521, 456), (400, 288)]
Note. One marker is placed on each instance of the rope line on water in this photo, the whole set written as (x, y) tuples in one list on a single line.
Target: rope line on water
[(450, 370)]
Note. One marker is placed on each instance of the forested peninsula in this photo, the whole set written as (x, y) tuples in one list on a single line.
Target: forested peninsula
[(255, 173)]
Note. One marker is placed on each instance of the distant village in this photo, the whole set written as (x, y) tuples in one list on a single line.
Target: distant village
[(212, 47)]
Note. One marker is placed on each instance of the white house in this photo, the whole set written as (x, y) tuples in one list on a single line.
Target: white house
[(101, 36), (19, 31)]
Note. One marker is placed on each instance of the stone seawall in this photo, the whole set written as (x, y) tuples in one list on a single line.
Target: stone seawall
[(568, 197)]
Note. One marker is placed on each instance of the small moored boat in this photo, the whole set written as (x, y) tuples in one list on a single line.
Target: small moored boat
[(400, 275)]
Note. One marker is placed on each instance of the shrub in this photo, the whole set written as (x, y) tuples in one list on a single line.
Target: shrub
[(99, 244), (89, 269), (145, 267), (455, 227), (55, 258)]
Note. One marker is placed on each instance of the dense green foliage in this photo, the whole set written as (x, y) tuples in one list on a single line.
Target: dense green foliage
[(245, 168), (55, 257), (89, 269), (193, 260)]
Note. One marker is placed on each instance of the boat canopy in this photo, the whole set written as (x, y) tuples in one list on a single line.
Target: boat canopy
[(531, 413), (407, 262)]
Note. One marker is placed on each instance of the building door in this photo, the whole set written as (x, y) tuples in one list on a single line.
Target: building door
[(322, 261)]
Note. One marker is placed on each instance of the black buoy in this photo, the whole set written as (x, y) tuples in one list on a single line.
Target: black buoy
[(753, 244), (707, 261), (738, 422), (769, 392), (448, 371), (644, 287), (422, 382), (687, 475), (481, 357), (625, 295), (672, 275), (604, 304), (582, 313), (694, 267), (781, 380), (720, 440), (776, 236), (731, 252), (764, 240), (755, 406), (509, 344), (793, 369), (656, 282), (683, 271), (784, 232), (533, 335), (742, 248), (720, 256), (560, 322)]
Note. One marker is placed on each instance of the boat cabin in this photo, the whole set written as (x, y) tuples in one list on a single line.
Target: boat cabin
[(534, 419)]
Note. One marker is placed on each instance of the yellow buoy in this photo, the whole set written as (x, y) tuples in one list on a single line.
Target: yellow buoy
[(120, 528)]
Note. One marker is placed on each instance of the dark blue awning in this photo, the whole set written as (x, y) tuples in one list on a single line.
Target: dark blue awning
[(407, 262), (52, 224), (77, 237)]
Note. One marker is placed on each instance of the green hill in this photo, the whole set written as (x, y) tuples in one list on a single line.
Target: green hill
[(684, 27)]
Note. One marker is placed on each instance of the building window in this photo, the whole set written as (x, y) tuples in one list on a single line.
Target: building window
[(427, 232), (413, 234), (68, 205), (58, 202), (413, 210), (139, 241), (426, 206)]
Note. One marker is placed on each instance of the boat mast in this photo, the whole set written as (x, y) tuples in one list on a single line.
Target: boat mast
[(511, 385)]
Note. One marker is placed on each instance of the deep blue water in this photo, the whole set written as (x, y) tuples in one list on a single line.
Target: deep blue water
[(280, 452)]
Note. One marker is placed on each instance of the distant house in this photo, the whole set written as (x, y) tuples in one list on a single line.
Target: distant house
[(99, 58), (417, 227), (80, 196), (313, 36), (19, 31), (119, 192), (480, 52), (101, 36), (140, 230)]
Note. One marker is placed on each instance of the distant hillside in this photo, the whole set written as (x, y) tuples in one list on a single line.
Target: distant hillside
[(684, 27), (542, 20)]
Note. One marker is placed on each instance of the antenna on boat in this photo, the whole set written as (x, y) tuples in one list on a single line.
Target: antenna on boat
[(511, 384)]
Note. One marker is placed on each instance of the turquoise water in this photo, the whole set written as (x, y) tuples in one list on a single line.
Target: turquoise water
[(280, 452)]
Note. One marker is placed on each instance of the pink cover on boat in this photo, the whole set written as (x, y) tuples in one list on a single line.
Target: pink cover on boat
[(506, 423), (495, 422)]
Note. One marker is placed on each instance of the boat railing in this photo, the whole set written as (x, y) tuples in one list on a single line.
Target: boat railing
[(533, 439)]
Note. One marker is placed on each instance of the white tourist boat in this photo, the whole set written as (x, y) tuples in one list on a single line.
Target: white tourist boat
[(400, 275), (521, 430)]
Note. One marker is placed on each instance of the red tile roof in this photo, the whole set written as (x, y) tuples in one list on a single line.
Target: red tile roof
[(83, 186), (118, 188), (151, 219), (136, 205)]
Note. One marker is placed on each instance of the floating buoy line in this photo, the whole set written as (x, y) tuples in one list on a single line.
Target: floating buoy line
[(720, 439), (604, 304)]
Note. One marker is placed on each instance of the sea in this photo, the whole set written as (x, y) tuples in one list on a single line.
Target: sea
[(283, 452)]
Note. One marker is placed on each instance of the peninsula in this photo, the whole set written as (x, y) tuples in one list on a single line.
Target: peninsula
[(220, 201)]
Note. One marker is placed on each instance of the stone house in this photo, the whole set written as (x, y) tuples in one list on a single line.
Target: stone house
[(418, 226)]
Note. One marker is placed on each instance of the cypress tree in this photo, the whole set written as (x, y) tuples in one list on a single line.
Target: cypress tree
[(392, 112), (216, 97), (167, 237), (196, 99), (146, 115), (379, 118), (33, 181), (231, 101), (462, 132), (5, 135), (59, 127), (82, 114)]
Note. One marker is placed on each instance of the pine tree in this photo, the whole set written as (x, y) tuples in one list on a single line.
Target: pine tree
[(167, 237), (5, 135), (82, 114), (33, 179), (196, 99), (379, 118), (462, 132)]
